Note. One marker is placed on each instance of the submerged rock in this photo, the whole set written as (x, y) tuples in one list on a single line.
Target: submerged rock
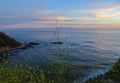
[(33, 43), (30, 44), (57, 42)]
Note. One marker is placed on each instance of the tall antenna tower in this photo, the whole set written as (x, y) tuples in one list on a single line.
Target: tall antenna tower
[(57, 31), (57, 35)]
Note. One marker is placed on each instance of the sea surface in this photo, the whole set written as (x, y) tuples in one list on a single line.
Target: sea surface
[(96, 49)]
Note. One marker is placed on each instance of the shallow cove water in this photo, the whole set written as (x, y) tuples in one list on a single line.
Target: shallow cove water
[(96, 49)]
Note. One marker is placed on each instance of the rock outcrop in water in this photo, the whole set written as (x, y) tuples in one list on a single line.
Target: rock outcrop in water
[(7, 42), (57, 42), (30, 44)]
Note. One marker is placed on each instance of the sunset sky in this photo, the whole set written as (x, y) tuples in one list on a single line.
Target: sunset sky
[(69, 13)]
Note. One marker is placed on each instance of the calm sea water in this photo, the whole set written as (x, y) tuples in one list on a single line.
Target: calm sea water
[(96, 49)]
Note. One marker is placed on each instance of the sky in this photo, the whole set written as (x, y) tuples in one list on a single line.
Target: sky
[(68, 13)]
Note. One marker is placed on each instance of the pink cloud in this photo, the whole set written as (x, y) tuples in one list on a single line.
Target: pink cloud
[(102, 15)]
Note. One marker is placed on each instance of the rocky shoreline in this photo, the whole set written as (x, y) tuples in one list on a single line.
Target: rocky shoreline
[(8, 44), (24, 46), (112, 76)]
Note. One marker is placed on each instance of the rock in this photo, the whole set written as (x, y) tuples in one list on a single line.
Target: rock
[(57, 42), (30, 44), (34, 43)]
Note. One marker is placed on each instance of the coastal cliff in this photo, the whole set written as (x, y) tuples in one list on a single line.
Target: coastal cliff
[(7, 42)]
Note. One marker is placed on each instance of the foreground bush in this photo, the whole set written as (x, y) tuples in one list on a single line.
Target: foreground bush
[(50, 73)]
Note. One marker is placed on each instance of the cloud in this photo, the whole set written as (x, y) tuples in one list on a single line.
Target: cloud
[(102, 15), (83, 17), (106, 12), (105, 8), (110, 7), (111, 15), (53, 18)]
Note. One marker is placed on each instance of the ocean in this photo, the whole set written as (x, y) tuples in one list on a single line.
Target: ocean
[(95, 49)]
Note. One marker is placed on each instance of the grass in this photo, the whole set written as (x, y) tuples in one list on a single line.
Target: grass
[(28, 74), (20, 75), (54, 72)]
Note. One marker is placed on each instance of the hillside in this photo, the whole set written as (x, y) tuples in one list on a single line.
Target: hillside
[(7, 42)]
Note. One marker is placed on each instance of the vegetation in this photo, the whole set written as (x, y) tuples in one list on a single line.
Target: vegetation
[(55, 72), (6, 41), (112, 76), (20, 74)]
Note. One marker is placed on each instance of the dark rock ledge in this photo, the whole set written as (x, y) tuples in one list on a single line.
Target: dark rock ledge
[(7, 43)]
